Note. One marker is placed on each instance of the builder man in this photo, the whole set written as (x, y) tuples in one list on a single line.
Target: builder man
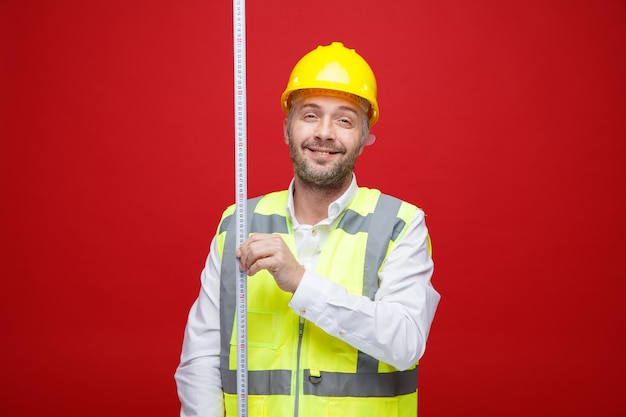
[(340, 300)]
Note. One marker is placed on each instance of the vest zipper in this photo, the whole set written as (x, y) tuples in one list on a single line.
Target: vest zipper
[(300, 332)]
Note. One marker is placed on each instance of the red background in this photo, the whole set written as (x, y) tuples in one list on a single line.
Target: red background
[(504, 120)]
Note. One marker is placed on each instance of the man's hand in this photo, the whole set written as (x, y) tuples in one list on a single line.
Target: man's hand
[(267, 251)]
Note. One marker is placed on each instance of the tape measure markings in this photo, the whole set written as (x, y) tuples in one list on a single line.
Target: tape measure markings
[(241, 195)]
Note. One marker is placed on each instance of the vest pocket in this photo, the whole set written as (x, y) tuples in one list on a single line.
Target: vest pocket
[(263, 328)]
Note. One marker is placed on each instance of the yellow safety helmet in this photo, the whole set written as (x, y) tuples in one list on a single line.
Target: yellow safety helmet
[(337, 68)]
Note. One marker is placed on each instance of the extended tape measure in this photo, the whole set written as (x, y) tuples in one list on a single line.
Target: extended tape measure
[(241, 196)]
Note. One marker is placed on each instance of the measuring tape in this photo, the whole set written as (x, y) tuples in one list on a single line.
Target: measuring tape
[(241, 190)]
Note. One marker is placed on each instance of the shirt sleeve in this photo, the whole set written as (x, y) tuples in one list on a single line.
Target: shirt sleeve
[(393, 327), (198, 376)]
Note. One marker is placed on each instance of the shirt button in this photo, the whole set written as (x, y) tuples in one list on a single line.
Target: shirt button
[(302, 311), (314, 232), (342, 333)]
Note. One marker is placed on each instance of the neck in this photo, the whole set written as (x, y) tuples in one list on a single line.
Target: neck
[(311, 202)]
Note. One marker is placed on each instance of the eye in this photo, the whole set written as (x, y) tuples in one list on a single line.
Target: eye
[(345, 121), (309, 116)]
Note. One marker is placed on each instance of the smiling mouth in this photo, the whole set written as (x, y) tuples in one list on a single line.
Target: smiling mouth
[(324, 151)]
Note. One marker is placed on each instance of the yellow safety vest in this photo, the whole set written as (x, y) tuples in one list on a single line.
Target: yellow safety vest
[(294, 367)]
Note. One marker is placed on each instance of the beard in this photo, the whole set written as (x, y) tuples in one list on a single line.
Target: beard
[(323, 177)]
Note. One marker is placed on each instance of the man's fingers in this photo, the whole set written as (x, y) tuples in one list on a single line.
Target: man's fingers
[(258, 246)]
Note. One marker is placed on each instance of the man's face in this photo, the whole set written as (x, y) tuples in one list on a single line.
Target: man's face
[(324, 138)]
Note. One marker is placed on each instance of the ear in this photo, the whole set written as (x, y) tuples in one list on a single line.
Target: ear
[(285, 132), (370, 140)]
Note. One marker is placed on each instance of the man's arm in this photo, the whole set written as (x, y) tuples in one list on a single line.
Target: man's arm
[(198, 376), (393, 327)]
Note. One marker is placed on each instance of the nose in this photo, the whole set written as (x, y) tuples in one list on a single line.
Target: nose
[(325, 129)]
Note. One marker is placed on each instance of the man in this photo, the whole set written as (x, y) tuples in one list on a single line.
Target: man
[(340, 301)]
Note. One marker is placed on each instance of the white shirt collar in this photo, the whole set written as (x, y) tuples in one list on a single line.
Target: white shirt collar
[(334, 209)]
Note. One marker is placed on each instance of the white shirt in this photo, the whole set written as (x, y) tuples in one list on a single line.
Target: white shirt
[(392, 328)]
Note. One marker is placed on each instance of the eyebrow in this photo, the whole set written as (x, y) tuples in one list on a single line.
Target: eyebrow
[(317, 107)]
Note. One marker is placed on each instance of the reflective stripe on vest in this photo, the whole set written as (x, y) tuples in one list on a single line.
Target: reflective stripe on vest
[(337, 384), (382, 227)]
